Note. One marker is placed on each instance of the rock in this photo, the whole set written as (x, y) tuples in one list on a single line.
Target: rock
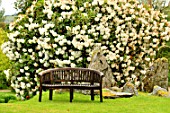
[(109, 94), (116, 89), (130, 88), (98, 62), (157, 90), (157, 75)]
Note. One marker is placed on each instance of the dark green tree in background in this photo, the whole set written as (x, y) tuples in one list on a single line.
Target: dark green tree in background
[(22, 5), (2, 18), (2, 11)]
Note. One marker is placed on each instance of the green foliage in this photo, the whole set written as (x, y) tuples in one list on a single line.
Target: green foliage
[(6, 97), (164, 51), (4, 61), (167, 12)]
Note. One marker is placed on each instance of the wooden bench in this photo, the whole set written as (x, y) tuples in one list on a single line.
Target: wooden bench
[(70, 78)]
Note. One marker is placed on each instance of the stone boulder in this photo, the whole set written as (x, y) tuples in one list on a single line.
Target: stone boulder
[(110, 94), (116, 89), (98, 62), (156, 75), (130, 88), (157, 90)]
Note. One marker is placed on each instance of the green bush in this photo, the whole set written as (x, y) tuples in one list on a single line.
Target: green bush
[(63, 33), (4, 62), (6, 97)]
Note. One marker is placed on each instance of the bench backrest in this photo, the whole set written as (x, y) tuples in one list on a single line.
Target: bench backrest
[(59, 75)]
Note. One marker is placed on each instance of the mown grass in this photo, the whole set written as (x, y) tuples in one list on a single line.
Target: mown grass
[(143, 103)]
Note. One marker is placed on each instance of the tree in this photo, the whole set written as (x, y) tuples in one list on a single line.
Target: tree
[(156, 4), (22, 5), (2, 13)]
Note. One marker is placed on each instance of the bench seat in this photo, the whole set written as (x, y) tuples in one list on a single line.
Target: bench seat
[(71, 85)]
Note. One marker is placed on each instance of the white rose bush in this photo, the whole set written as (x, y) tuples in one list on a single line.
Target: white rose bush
[(62, 33)]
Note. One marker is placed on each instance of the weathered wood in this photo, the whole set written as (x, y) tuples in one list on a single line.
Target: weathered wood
[(70, 78)]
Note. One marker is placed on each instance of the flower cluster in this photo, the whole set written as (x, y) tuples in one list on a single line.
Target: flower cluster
[(62, 33)]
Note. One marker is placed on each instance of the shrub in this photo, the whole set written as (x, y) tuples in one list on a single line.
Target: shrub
[(4, 61), (60, 33), (5, 98)]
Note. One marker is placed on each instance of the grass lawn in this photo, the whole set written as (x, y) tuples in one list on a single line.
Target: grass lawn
[(143, 103)]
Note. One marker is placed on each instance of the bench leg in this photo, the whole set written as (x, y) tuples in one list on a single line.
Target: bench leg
[(101, 97), (40, 94), (50, 94), (92, 94), (71, 94)]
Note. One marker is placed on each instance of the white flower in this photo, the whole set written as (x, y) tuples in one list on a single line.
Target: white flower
[(63, 7), (46, 64), (20, 78), (103, 47), (30, 92), (137, 83), (41, 61), (36, 64), (124, 65), (28, 85), (147, 59), (46, 39), (26, 78), (27, 74), (131, 68), (155, 40), (57, 52), (67, 7), (24, 50), (97, 19), (7, 73), (22, 70), (73, 65), (26, 68), (101, 2), (88, 59), (17, 90), (49, 14), (22, 92), (122, 81), (30, 50), (133, 76), (23, 85), (36, 79), (40, 54), (42, 31), (143, 71), (71, 57), (53, 33), (118, 78), (81, 8), (94, 3), (84, 27), (121, 58)]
